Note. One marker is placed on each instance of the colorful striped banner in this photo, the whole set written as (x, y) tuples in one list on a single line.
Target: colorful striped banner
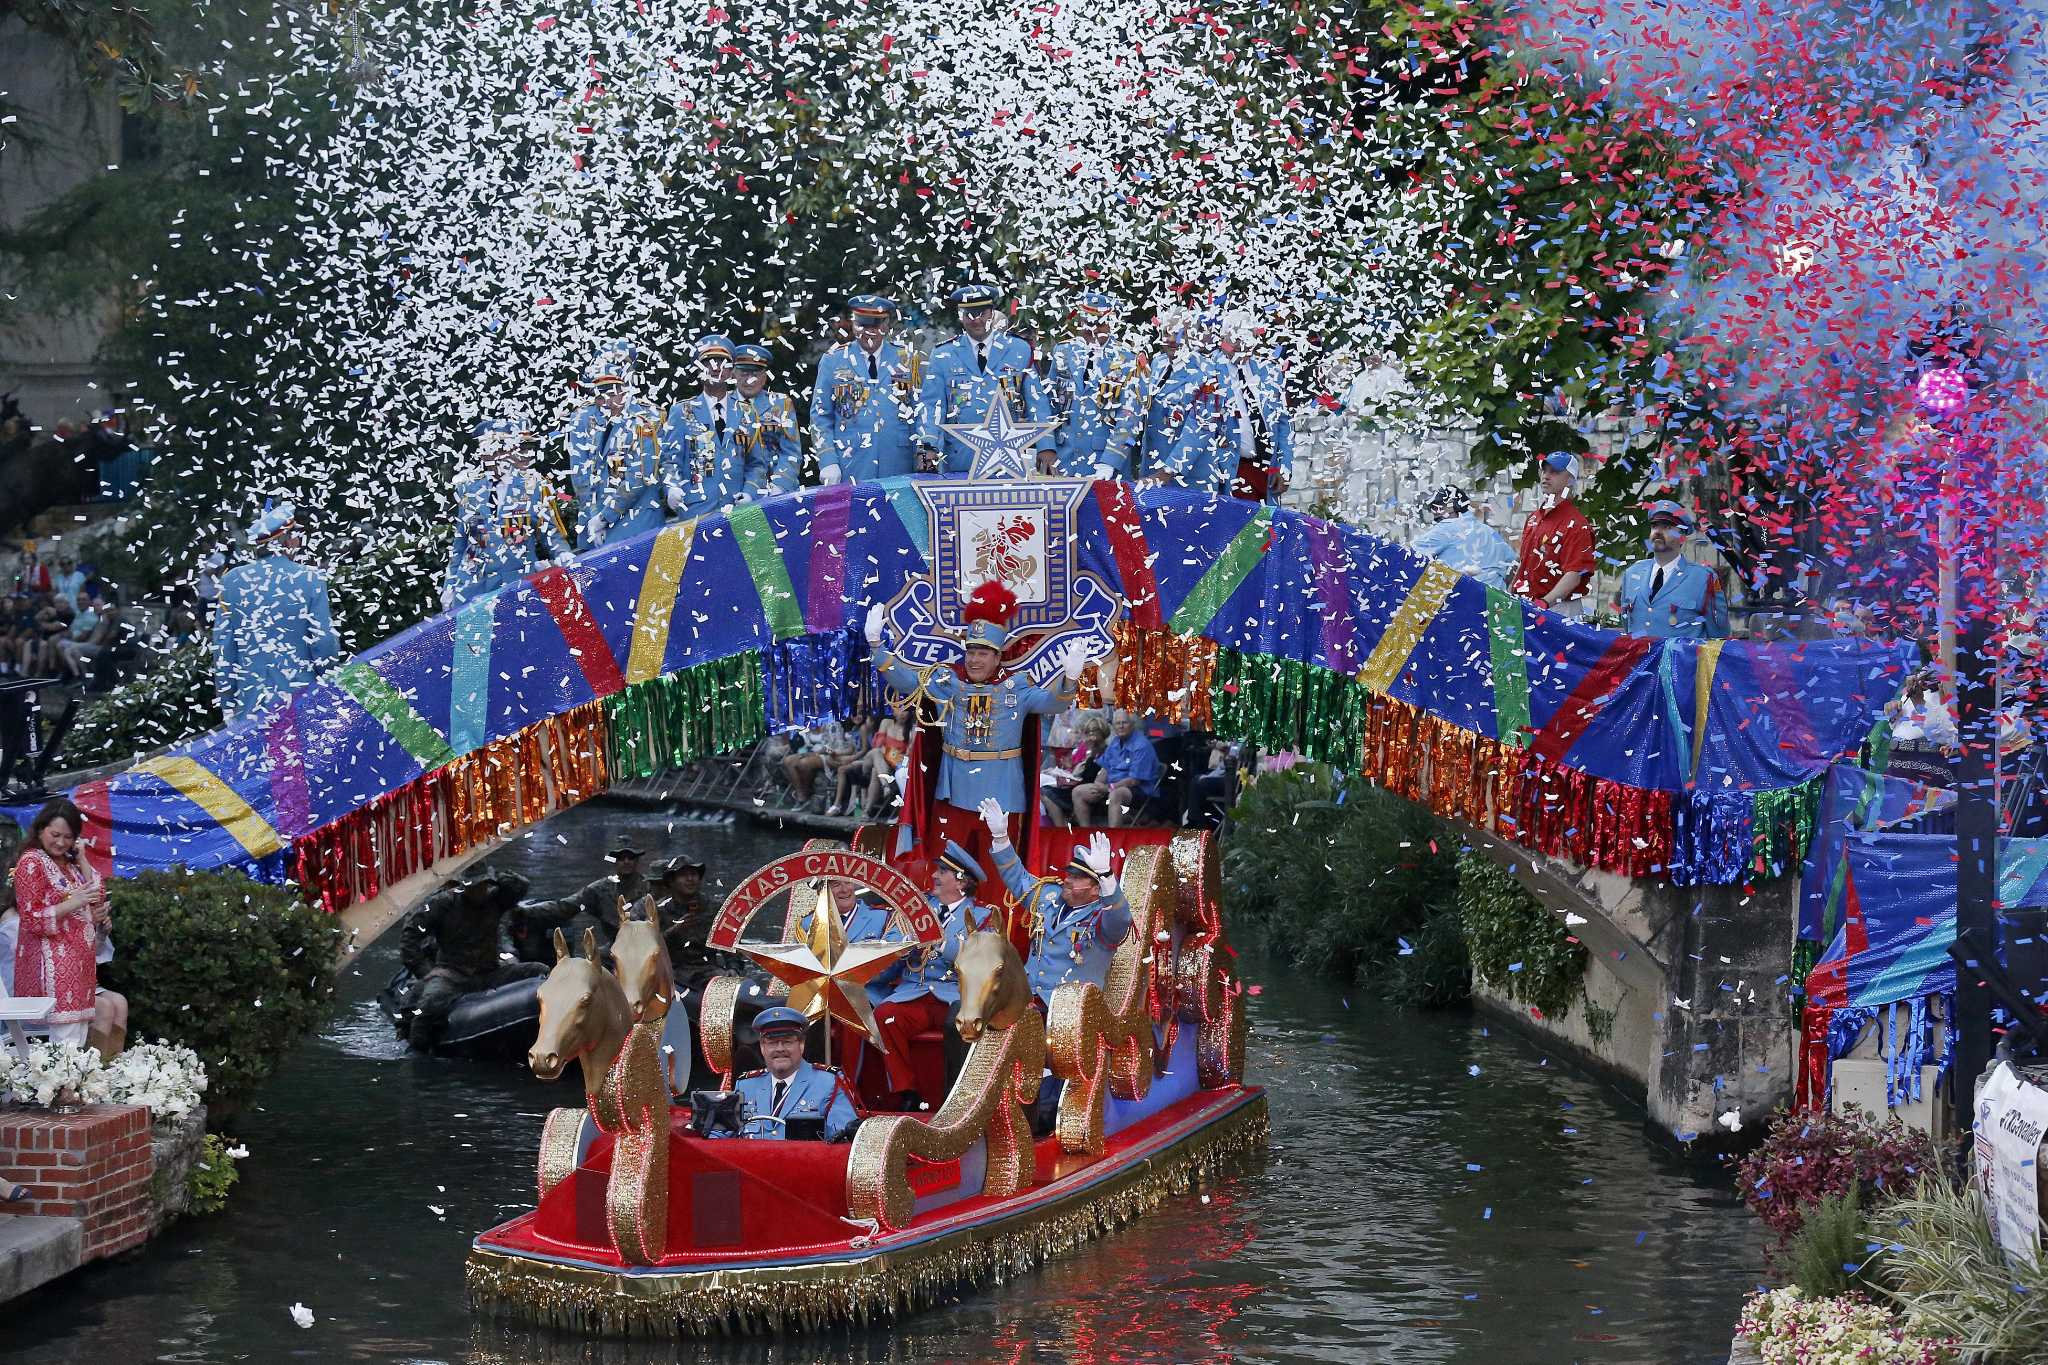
[(666, 559), (1424, 600), (95, 801), (1133, 556), (469, 678), (1582, 706), (1510, 668), (389, 708), (771, 576), (1330, 575), (825, 603), (562, 597), (1702, 698), (1226, 575), (217, 799), (288, 794), (910, 510)]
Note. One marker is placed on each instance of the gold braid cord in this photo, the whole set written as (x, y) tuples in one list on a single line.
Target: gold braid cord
[(992, 1098), (1101, 1039), (633, 1107)]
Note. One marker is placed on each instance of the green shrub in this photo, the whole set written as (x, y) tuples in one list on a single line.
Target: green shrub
[(1832, 1252), (1350, 882), (1944, 1267), (235, 970), (213, 1175), (1517, 946)]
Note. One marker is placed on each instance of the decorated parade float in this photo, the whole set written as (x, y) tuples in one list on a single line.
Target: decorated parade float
[(1690, 762)]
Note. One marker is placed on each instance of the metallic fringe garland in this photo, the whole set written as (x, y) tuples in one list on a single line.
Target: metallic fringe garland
[(807, 1297), (665, 722), (1283, 705), (814, 679), (1167, 674), (510, 783)]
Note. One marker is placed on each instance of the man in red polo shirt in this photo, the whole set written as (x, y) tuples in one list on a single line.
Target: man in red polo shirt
[(1556, 567)]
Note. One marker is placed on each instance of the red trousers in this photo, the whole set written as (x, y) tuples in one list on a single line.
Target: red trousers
[(899, 1022)]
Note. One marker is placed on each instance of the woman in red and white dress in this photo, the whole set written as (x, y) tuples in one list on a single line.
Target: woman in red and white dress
[(60, 900)]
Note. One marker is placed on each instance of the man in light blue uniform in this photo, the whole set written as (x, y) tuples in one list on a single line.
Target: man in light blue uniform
[(1178, 428), (1464, 542), (985, 712), (1256, 458), (773, 439), (1079, 925), (789, 1087), (506, 518), (1090, 376), (1668, 596), (864, 405), (701, 440), (273, 626), (615, 464), (917, 995), (979, 367)]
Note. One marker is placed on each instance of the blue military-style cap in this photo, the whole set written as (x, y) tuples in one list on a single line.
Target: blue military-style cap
[(275, 518), (867, 306), (1664, 509), (976, 295), (962, 862), (751, 356), (613, 364), (1095, 301), (713, 346), (780, 1019)]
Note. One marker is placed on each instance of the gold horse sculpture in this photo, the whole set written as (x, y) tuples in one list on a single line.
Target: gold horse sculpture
[(585, 1017), (640, 962), (991, 1098)]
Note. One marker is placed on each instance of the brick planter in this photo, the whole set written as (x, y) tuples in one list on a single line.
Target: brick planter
[(94, 1166)]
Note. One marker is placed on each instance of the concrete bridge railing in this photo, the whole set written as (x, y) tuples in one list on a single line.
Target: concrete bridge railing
[(1687, 989)]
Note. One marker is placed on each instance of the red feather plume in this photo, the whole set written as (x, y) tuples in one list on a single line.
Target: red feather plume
[(991, 602)]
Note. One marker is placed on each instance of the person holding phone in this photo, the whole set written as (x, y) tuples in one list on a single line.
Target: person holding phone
[(63, 905)]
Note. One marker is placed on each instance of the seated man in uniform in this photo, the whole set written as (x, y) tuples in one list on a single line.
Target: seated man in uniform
[(919, 993), (1079, 925), (790, 1088), (450, 945)]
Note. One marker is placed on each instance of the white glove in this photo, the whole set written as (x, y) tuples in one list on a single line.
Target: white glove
[(873, 625), (1103, 471), (830, 475), (998, 823), (674, 497), (448, 602), (1074, 661), (1099, 860)]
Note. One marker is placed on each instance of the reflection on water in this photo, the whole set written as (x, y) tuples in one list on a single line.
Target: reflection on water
[(1410, 1211)]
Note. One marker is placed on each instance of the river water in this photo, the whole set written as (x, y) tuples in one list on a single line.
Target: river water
[(1437, 1190)]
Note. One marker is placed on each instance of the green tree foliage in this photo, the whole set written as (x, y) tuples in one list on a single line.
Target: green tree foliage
[(1349, 882), (233, 969), (1517, 946)]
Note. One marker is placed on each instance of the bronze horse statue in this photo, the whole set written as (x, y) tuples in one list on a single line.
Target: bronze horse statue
[(991, 1098), (994, 989), (584, 1016), (640, 962)]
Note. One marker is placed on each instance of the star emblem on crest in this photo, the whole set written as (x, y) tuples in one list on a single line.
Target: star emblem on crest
[(826, 974), (1004, 448)]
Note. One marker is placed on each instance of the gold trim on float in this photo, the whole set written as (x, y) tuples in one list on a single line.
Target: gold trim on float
[(859, 1289)]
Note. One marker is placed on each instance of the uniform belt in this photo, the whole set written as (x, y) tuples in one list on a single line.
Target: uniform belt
[(978, 755)]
